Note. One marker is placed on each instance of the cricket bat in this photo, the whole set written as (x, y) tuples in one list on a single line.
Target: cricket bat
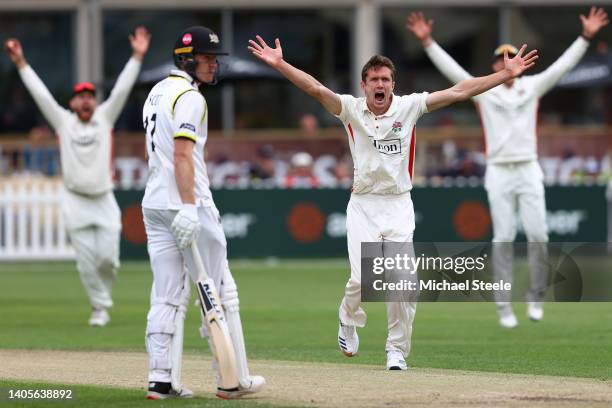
[(214, 319)]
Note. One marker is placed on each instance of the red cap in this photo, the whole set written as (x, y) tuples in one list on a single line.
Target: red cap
[(84, 87)]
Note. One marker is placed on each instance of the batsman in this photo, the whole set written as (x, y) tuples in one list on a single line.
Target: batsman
[(184, 228)]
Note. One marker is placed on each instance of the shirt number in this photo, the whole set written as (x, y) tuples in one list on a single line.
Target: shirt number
[(146, 126)]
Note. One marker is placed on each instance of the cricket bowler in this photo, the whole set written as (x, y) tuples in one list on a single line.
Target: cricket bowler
[(514, 179), (85, 134), (380, 207)]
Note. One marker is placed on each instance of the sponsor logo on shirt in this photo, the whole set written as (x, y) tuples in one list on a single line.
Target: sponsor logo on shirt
[(389, 147), (187, 126), (84, 140)]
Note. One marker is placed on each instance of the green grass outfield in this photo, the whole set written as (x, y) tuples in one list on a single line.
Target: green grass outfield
[(289, 311)]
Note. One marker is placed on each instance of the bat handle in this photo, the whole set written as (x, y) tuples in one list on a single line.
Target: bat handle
[(197, 260)]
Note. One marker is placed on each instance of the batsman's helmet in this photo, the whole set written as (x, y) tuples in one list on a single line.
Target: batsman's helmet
[(195, 40)]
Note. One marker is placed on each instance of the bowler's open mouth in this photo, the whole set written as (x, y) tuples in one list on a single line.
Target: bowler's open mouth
[(379, 96)]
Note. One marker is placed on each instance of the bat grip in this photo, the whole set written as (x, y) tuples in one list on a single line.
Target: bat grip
[(197, 260)]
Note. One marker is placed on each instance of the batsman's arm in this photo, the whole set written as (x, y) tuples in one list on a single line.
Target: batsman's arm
[(189, 112), (471, 87), (304, 81)]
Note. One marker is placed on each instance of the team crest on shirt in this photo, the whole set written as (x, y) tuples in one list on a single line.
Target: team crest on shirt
[(397, 127)]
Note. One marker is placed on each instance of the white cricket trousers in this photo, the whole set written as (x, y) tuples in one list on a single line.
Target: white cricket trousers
[(511, 188), (377, 218), (167, 259), (94, 228), (170, 290)]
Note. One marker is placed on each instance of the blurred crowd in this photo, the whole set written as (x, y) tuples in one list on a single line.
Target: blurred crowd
[(269, 167)]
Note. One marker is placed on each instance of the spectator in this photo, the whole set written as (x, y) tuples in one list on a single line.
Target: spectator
[(309, 125), (264, 167), (344, 170), (40, 156), (300, 175)]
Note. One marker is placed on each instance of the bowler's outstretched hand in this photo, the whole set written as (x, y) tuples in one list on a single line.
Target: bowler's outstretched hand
[(519, 64), (271, 56)]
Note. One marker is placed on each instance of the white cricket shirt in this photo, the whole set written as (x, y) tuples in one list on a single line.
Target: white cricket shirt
[(509, 115), (382, 146), (85, 148), (175, 108)]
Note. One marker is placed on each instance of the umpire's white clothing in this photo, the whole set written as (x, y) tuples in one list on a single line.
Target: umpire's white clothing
[(89, 207), (380, 208)]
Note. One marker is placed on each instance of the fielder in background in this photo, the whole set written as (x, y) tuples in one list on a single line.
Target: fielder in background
[(514, 179), (89, 207), (380, 208), (179, 212)]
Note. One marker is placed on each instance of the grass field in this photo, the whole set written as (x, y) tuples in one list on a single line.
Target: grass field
[(289, 311)]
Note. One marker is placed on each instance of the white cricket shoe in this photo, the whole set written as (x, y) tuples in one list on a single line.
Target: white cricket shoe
[(99, 317), (535, 311), (163, 390), (348, 340), (255, 384), (395, 361), (507, 319)]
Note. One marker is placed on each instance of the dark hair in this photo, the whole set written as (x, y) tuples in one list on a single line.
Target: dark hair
[(378, 61)]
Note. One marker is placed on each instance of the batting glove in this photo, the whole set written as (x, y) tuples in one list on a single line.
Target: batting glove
[(186, 226)]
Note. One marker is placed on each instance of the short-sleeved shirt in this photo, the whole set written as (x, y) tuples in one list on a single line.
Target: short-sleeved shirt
[(174, 109), (382, 146)]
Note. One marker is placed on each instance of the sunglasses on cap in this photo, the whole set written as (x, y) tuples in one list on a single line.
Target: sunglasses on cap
[(84, 87)]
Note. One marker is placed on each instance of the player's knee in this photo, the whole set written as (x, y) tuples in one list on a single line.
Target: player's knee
[(107, 259)]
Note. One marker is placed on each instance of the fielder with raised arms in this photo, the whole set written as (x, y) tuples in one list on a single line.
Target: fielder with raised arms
[(380, 208), (514, 179), (179, 212), (85, 137)]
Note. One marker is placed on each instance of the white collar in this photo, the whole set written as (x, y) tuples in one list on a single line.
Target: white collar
[(182, 74)]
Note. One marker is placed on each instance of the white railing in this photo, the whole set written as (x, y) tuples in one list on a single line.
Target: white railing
[(31, 223)]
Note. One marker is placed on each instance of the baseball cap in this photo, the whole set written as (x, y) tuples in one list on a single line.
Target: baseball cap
[(84, 87), (499, 51)]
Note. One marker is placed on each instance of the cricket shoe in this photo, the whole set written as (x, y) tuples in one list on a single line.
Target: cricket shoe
[(507, 319), (99, 317), (163, 390), (535, 311), (395, 361), (348, 340), (255, 384)]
